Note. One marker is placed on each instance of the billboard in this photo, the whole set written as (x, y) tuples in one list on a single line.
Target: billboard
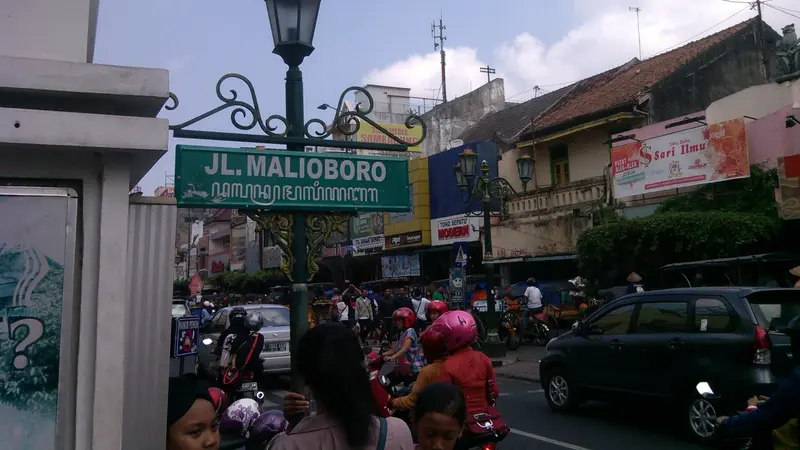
[(701, 155), (446, 199), (368, 133)]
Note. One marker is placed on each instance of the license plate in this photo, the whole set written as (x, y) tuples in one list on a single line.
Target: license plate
[(276, 346), (248, 386)]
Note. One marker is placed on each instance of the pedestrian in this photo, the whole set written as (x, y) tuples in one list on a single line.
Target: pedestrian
[(533, 301), (420, 307), (439, 416), (191, 417), (439, 294), (386, 308), (365, 315), (343, 308), (634, 283), (330, 361), (335, 312), (402, 300)]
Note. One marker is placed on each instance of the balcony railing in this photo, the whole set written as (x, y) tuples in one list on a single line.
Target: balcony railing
[(553, 198)]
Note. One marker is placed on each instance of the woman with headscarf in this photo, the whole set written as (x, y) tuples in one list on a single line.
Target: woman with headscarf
[(191, 416)]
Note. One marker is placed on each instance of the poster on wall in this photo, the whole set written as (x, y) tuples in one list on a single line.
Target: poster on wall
[(396, 266), (37, 244), (701, 155)]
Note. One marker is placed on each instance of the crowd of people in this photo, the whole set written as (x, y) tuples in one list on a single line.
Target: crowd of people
[(448, 407)]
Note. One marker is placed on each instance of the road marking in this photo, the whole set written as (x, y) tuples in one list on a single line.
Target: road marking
[(548, 440), (537, 391)]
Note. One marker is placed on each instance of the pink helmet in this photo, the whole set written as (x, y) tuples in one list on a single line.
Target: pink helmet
[(458, 327)]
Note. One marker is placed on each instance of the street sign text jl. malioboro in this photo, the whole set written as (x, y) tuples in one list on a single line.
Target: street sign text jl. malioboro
[(219, 177)]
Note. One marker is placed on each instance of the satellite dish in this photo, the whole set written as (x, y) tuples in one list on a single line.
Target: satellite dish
[(456, 143)]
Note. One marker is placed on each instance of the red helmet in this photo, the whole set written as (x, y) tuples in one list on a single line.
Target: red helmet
[(406, 315), (438, 306), (220, 399), (433, 344)]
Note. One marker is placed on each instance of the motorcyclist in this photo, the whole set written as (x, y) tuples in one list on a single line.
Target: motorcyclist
[(241, 353), (435, 309), (433, 347), (236, 326), (472, 372), (762, 417), (406, 350)]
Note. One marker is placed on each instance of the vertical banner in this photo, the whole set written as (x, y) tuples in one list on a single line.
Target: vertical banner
[(37, 244), (457, 283)]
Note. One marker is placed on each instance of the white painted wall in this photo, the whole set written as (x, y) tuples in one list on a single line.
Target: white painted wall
[(60, 30)]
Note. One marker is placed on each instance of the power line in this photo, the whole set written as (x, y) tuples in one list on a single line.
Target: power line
[(784, 10), (707, 29)]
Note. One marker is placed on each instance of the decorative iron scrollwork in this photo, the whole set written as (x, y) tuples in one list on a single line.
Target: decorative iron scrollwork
[(247, 116), (280, 227), (241, 110), (318, 229), (495, 189), (349, 122)]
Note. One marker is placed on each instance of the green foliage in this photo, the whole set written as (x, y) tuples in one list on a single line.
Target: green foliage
[(755, 194), (180, 287), (239, 282), (645, 244)]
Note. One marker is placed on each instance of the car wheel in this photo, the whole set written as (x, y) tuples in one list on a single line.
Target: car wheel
[(701, 416), (559, 392)]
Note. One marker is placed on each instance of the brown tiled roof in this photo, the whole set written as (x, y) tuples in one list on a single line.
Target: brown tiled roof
[(509, 122), (615, 88)]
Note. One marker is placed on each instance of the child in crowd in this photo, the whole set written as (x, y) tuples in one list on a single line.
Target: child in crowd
[(439, 416)]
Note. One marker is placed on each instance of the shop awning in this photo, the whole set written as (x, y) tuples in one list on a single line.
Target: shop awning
[(541, 258)]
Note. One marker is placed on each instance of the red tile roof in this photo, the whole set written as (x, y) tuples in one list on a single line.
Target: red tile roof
[(616, 88)]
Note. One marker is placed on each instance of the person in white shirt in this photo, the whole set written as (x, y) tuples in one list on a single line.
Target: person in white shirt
[(420, 306), (533, 297), (364, 314)]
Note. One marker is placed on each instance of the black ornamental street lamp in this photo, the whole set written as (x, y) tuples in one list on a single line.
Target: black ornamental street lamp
[(487, 189), (293, 23), (300, 234)]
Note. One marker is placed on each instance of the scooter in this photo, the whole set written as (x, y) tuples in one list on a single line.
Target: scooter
[(750, 443)]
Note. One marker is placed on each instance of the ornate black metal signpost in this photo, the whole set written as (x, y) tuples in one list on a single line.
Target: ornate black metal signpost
[(320, 190)]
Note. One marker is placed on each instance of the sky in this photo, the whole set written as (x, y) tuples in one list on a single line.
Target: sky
[(529, 43)]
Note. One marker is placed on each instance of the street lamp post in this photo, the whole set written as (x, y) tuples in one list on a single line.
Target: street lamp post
[(487, 189), (293, 23)]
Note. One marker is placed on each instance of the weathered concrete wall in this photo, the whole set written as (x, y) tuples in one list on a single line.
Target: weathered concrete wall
[(447, 121)]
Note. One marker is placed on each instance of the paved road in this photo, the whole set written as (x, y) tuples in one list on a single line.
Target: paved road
[(595, 426)]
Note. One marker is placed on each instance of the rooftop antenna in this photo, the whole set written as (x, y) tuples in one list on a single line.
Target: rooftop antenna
[(488, 71), (437, 31), (536, 90), (637, 10)]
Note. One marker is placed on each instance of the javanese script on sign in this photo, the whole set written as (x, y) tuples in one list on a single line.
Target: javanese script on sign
[(276, 180)]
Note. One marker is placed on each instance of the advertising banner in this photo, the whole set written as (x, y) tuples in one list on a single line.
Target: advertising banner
[(400, 266), (458, 228), (457, 282), (37, 244), (220, 177), (701, 155), (400, 240), (367, 245), (368, 133), (788, 192), (364, 225)]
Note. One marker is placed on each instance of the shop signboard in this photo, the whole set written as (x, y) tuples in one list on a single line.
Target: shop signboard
[(401, 240), (396, 266), (336, 251), (364, 225), (37, 254), (368, 133), (701, 155), (458, 228), (368, 245), (219, 177)]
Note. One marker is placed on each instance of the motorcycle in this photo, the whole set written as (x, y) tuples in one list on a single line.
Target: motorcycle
[(710, 420)]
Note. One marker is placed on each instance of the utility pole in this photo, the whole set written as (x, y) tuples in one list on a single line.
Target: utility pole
[(760, 37), (437, 31), (488, 71), (536, 90), (637, 10)]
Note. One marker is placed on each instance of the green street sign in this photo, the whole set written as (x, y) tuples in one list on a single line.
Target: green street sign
[(219, 177)]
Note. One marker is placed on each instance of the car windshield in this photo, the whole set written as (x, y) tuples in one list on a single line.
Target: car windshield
[(273, 317), (774, 309), (179, 309)]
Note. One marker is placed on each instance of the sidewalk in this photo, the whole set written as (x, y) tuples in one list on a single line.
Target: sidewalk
[(521, 364)]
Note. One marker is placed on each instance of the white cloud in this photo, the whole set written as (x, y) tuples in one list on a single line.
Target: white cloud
[(605, 38)]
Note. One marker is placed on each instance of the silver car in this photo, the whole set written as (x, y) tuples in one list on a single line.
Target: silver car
[(275, 356)]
